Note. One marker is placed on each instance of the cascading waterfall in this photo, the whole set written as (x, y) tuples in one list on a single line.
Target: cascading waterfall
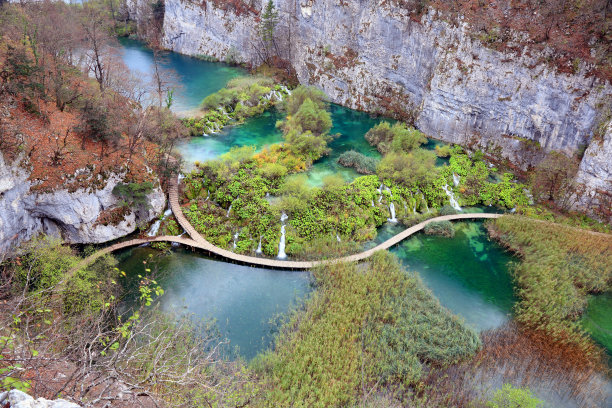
[(258, 250), (392, 211), (338, 237), (456, 179), (425, 201), (391, 206), (281, 244), (451, 198), (235, 238), (207, 195), (228, 211), (372, 202), (155, 227)]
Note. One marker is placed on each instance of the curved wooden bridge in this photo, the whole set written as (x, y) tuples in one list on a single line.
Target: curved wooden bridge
[(197, 241)]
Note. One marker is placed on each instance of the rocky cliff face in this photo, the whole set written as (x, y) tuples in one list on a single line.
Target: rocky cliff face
[(76, 216), (370, 55)]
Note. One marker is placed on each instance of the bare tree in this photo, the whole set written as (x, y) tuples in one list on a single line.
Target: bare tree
[(96, 28)]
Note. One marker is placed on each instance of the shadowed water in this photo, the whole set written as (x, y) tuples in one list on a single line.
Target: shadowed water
[(242, 299)]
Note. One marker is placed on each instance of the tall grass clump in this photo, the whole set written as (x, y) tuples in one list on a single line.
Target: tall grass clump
[(366, 327), (559, 266)]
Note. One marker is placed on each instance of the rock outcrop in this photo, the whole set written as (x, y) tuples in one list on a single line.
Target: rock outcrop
[(77, 216), (595, 173), (19, 399), (372, 56)]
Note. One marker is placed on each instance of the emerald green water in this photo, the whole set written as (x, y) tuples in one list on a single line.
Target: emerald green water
[(468, 273), (241, 299), (597, 320), (258, 131), (197, 78)]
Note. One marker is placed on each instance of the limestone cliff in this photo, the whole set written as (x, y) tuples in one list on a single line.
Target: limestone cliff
[(76, 216), (370, 55)]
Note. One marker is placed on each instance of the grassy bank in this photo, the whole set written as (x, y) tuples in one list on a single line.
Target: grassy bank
[(559, 266)]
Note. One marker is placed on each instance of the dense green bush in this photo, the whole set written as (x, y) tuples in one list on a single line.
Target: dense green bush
[(396, 138), (133, 194), (309, 117), (360, 162), (417, 168), (511, 397), (293, 103), (363, 328)]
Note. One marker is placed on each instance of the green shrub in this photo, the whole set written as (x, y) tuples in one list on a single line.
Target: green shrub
[(133, 194), (309, 117), (511, 397), (360, 162), (300, 94), (396, 138)]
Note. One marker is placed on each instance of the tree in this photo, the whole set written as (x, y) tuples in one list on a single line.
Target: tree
[(310, 117), (267, 28), (553, 178), (97, 28)]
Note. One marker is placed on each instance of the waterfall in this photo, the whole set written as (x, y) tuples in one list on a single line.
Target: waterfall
[(338, 237), (224, 112), (425, 201), (155, 227), (456, 179), (392, 211), (281, 244), (207, 195), (451, 198), (228, 211), (258, 250), (372, 202), (512, 211), (235, 238)]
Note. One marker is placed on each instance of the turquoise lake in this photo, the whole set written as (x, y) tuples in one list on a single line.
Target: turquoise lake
[(468, 273)]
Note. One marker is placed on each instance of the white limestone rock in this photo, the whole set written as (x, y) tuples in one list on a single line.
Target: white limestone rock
[(19, 399), (73, 215)]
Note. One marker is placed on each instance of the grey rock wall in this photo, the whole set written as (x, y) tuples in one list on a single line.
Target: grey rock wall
[(370, 55), (71, 215)]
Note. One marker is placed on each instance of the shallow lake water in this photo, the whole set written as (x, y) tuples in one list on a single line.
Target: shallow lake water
[(242, 299)]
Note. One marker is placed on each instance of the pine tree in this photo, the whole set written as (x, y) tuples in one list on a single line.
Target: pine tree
[(269, 20)]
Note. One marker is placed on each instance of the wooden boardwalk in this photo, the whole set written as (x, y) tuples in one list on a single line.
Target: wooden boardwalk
[(197, 241)]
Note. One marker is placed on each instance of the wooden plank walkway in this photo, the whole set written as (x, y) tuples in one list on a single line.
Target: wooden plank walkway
[(198, 241)]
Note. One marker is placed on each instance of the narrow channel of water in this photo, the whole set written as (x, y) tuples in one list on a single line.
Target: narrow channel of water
[(241, 299)]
